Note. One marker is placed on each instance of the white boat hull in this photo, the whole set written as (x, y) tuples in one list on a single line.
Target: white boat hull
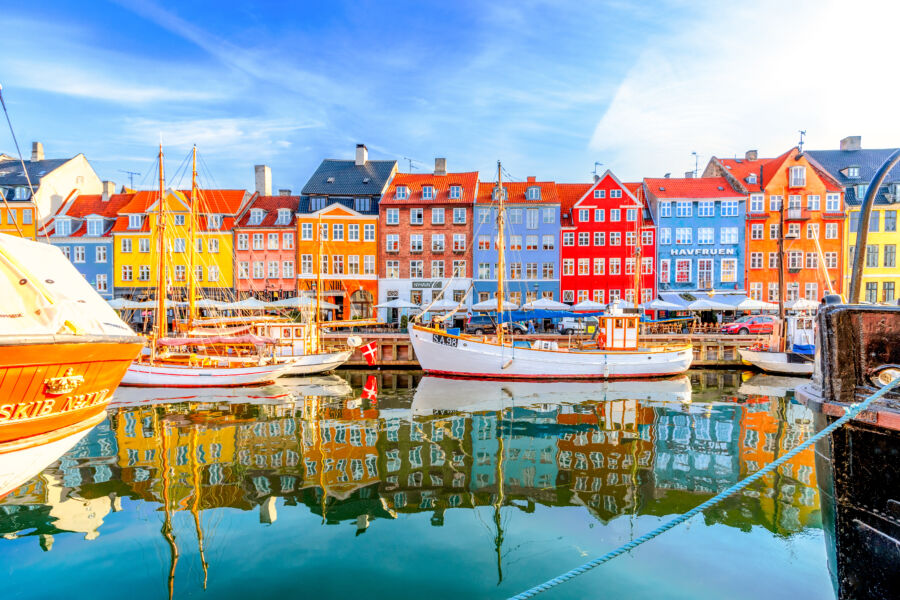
[(308, 364), (463, 356), (775, 362), (146, 375)]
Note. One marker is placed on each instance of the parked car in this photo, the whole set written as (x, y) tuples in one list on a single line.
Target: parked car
[(481, 324), (569, 325), (757, 324)]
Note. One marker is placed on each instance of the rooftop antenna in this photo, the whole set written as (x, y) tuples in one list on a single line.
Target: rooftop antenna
[(131, 175), (596, 164), (802, 135), (696, 163), (410, 161)]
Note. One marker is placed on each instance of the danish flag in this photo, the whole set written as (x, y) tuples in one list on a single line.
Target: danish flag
[(370, 352), (370, 390)]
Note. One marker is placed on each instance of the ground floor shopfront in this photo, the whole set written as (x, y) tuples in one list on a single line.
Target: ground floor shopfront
[(355, 298), (518, 291), (422, 292)]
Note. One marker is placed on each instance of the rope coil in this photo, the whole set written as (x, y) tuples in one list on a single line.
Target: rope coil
[(852, 411)]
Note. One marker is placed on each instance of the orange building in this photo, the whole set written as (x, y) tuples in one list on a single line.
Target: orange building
[(344, 241), (795, 189)]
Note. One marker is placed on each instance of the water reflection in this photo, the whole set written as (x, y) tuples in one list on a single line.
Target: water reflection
[(324, 446)]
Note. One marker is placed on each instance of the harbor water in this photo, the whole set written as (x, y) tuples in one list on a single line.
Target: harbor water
[(394, 485)]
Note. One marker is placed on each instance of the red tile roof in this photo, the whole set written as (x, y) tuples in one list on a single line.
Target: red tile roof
[(569, 194), (270, 204), (441, 183), (766, 168), (515, 191), (700, 187), (85, 205)]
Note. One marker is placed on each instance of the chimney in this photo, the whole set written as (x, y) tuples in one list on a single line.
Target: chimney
[(688, 174), (750, 155), (530, 179), (440, 166), (263, 180), (37, 151), (596, 178), (109, 188), (852, 142), (284, 192), (362, 155), (667, 175)]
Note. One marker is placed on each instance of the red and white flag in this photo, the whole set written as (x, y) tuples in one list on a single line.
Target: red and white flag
[(370, 352), (370, 390)]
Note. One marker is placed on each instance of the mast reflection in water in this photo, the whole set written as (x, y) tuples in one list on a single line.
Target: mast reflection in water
[(433, 487)]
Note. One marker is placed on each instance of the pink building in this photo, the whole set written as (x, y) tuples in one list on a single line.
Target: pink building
[(265, 248)]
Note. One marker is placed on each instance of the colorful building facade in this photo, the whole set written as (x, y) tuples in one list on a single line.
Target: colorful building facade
[(265, 248), (854, 168), (608, 243), (425, 249), (531, 228), (700, 234), (793, 189)]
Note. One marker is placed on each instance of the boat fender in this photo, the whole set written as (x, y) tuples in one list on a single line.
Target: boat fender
[(507, 364), (354, 341)]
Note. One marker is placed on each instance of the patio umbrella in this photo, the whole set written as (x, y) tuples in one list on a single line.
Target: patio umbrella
[(152, 304), (545, 304), (589, 305), (708, 304), (122, 304), (492, 305), (247, 304), (661, 305), (209, 303), (802, 304), (444, 304), (397, 303), (751, 304), (302, 302)]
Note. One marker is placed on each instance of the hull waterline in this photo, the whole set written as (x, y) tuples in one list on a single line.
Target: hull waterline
[(309, 364), (141, 374), (776, 362)]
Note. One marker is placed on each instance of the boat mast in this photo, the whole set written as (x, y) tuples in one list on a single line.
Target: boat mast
[(192, 278), (161, 286), (781, 234), (501, 262), (318, 283), (195, 507)]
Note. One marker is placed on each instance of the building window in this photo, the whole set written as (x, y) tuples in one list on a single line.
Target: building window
[(272, 241), (728, 235), (729, 270), (568, 267), (369, 232), (664, 270), (306, 264), (144, 273), (459, 268), (514, 215), (756, 290), (337, 232), (631, 215), (362, 204), (26, 216), (872, 255), (459, 242), (584, 238), (683, 235), (599, 266), (756, 203), (798, 176), (706, 208), (831, 231), (101, 283), (599, 238), (306, 234), (832, 203), (437, 242), (569, 296), (337, 262), (287, 242), (775, 203), (665, 236), (615, 193), (584, 215), (831, 260), (665, 209), (369, 264), (729, 208), (683, 270), (95, 227), (683, 209), (549, 215), (887, 291), (756, 231), (437, 269), (258, 241), (416, 216), (100, 254), (484, 271), (756, 260), (812, 260), (615, 238), (773, 292), (437, 216), (568, 238), (774, 231), (812, 231), (890, 220), (630, 238), (180, 272), (459, 214), (705, 235), (427, 192), (533, 193), (615, 214), (392, 216), (125, 245), (244, 269), (548, 242), (353, 265), (134, 221), (647, 265), (795, 259), (127, 273), (392, 242), (531, 218), (79, 254), (646, 237), (402, 192), (704, 273), (615, 266), (599, 193), (484, 215), (548, 270), (416, 243), (455, 192), (872, 291), (584, 266), (890, 255), (773, 260)]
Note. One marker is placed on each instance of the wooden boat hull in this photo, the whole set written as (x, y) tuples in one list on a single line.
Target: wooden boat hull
[(318, 363), (776, 362), (142, 374), (51, 382), (465, 356)]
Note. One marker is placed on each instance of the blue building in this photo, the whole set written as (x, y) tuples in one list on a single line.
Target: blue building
[(701, 231), (81, 228), (532, 241)]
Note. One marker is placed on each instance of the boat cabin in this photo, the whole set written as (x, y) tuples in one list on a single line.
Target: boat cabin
[(291, 336), (618, 331)]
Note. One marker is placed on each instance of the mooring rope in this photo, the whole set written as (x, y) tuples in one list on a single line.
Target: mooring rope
[(852, 411)]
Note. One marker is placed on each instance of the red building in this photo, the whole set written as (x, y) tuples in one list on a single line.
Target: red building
[(265, 249), (608, 242)]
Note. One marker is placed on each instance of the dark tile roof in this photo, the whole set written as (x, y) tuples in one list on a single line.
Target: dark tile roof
[(269, 204), (349, 179), (305, 207), (11, 172), (868, 162)]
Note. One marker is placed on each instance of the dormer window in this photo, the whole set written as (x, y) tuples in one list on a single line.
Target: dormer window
[(95, 227), (134, 221), (63, 227), (214, 222), (256, 216), (751, 178), (851, 172), (427, 192), (798, 177), (861, 190), (402, 192), (284, 216), (22, 193), (317, 203), (455, 192), (533, 193)]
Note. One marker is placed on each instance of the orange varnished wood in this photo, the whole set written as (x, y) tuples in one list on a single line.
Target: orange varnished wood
[(25, 370)]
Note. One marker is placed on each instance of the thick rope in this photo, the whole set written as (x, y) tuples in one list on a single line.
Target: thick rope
[(852, 411)]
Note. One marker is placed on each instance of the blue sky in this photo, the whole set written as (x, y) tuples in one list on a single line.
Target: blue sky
[(547, 87)]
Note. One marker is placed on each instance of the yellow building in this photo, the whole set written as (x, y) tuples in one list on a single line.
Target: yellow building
[(135, 243)]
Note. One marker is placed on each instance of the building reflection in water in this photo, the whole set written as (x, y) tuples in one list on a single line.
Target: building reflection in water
[(430, 445)]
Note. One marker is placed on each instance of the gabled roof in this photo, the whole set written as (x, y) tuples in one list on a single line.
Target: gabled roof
[(414, 182), (79, 207), (516, 192), (699, 187), (569, 194), (344, 178), (271, 205), (11, 172), (867, 160), (742, 168)]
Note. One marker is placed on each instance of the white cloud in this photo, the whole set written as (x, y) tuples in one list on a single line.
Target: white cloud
[(752, 77), (220, 136)]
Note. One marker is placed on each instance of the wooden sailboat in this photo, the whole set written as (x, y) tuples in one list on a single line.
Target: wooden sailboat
[(617, 354), (231, 361)]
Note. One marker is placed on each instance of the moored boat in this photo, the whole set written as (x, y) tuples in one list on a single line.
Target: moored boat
[(63, 350)]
